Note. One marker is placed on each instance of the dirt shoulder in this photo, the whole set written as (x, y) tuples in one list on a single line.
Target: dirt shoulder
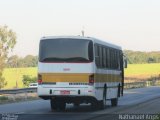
[(14, 98)]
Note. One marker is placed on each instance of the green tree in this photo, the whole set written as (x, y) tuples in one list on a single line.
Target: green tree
[(138, 57), (12, 61), (16, 61), (27, 80), (2, 81), (30, 61), (7, 43)]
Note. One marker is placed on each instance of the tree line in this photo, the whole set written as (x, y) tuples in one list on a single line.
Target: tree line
[(134, 57), (139, 57), (17, 62)]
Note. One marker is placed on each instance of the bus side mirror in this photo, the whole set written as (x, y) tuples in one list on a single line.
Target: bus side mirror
[(125, 63)]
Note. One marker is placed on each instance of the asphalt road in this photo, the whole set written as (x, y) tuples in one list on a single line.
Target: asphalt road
[(134, 101)]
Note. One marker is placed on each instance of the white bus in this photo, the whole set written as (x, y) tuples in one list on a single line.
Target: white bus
[(76, 69)]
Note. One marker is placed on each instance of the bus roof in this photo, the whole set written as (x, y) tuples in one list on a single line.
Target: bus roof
[(95, 40)]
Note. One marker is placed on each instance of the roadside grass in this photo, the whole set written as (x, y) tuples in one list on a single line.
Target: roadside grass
[(12, 75), (5, 99), (141, 72), (146, 70), (134, 72), (157, 118)]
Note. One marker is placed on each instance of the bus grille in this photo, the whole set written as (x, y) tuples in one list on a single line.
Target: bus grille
[(78, 83)]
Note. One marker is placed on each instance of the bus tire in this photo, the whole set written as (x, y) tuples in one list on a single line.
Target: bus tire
[(95, 105), (114, 102), (76, 104), (53, 104), (61, 105)]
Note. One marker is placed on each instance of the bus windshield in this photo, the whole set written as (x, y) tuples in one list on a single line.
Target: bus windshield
[(66, 50)]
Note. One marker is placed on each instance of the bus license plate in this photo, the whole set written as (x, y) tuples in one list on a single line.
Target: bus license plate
[(64, 92)]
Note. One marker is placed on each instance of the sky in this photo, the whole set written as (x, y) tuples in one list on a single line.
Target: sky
[(132, 24)]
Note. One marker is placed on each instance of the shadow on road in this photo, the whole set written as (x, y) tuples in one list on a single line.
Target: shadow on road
[(87, 108)]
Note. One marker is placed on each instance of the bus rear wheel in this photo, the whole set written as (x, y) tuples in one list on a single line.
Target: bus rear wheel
[(61, 105), (76, 104), (114, 102), (53, 104), (57, 105)]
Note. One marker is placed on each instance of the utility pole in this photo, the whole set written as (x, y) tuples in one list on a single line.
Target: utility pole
[(82, 31)]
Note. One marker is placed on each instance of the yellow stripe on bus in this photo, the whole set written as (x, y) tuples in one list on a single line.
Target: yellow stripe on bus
[(79, 77), (108, 78), (65, 77)]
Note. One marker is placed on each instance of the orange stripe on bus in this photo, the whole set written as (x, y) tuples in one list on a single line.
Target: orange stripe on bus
[(79, 77)]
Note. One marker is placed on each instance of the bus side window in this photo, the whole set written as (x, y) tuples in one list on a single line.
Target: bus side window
[(90, 51), (97, 57), (118, 60), (115, 59), (104, 57), (107, 58), (121, 60), (111, 59), (100, 57)]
